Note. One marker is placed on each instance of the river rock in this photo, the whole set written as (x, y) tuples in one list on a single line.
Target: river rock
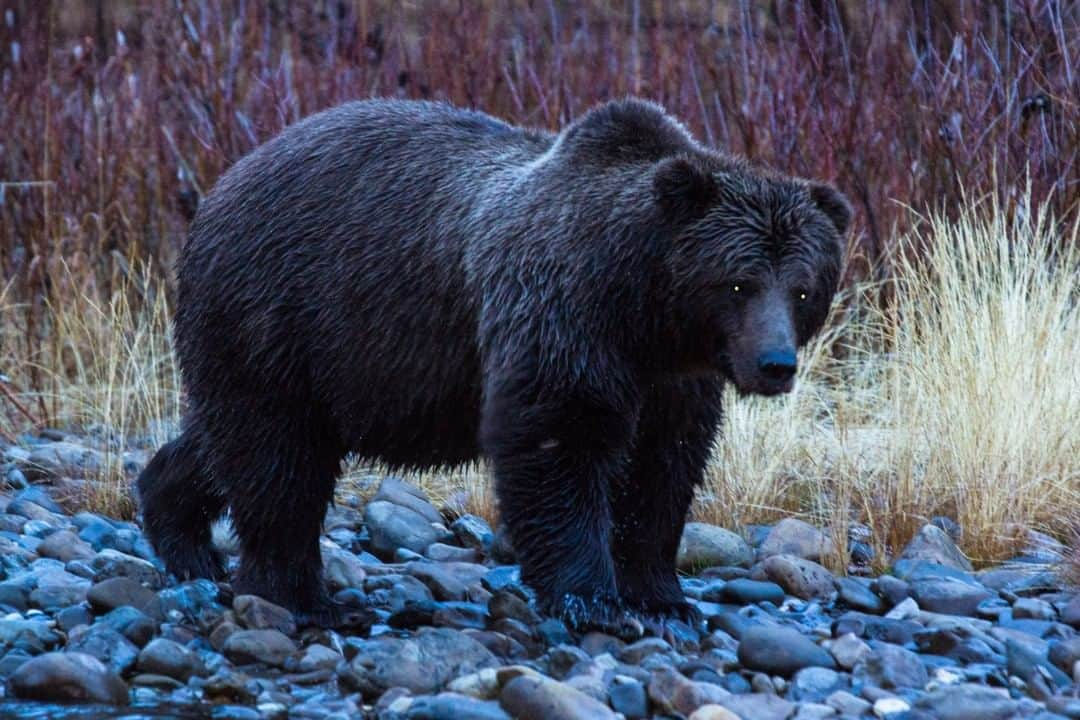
[(423, 663), (744, 591), (713, 712), (799, 577), (704, 545), (57, 588), (120, 591), (533, 696), (948, 596), (759, 706), (968, 702), (792, 536), (111, 563), (395, 526), (473, 532), (265, 646), (891, 667), (64, 545), (780, 651), (448, 580), (933, 544), (68, 677), (672, 692), (171, 659), (106, 644), (255, 613)]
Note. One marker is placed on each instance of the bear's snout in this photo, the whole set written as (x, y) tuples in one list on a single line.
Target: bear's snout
[(778, 365)]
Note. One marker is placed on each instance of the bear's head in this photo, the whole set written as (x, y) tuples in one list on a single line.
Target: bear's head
[(753, 264)]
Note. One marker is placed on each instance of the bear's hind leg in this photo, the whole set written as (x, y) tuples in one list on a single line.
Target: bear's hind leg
[(178, 506), (675, 434)]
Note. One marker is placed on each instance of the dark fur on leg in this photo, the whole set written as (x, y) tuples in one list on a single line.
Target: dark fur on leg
[(674, 437), (554, 463), (179, 506)]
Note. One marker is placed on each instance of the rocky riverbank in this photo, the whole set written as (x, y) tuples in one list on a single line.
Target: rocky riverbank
[(90, 626)]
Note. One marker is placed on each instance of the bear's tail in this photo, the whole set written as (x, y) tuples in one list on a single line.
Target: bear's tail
[(178, 506)]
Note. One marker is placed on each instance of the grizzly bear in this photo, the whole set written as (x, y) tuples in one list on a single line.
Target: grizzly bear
[(423, 286)]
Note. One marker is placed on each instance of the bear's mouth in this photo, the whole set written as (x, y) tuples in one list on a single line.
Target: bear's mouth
[(755, 385)]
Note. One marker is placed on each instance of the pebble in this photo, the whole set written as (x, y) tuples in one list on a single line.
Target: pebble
[(530, 696), (171, 659), (394, 527), (423, 663), (705, 546), (120, 591), (257, 614), (271, 647), (743, 591), (891, 667), (799, 577), (672, 692), (68, 677), (792, 536), (933, 544), (781, 651), (104, 643), (948, 596)]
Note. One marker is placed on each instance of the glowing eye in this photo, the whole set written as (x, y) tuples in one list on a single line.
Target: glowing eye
[(802, 296), (735, 288)]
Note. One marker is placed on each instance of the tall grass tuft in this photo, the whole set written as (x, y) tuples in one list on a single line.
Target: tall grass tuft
[(108, 368)]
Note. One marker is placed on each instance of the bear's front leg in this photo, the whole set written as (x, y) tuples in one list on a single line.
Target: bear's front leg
[(555, 457), (676, 429)]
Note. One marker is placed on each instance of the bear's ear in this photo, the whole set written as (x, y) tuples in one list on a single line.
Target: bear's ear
[(683, 190), (835, 206)]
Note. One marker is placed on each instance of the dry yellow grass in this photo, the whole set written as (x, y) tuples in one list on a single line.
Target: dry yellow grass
[(107, 369), (961, 398)]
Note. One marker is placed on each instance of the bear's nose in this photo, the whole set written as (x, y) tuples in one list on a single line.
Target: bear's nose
[(778, 364)]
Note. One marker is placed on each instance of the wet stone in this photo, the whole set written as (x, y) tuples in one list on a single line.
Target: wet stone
[(802, 578), (815, 683), (255, 613), (792, 536), (114, 564), (704, 545), (949, 597), (132, 623), (423, 664), (760, 706), (106, 644), (473, 532), (539, 697), (168, 658), (743, 591), (120, 591), (933, 544), (858, 596), (968, 702), (394, 526), (259, 646), (64, 545), (781, 651), (627, 695), (891, 667), (672, 692), (68, 677), (448, 581)]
